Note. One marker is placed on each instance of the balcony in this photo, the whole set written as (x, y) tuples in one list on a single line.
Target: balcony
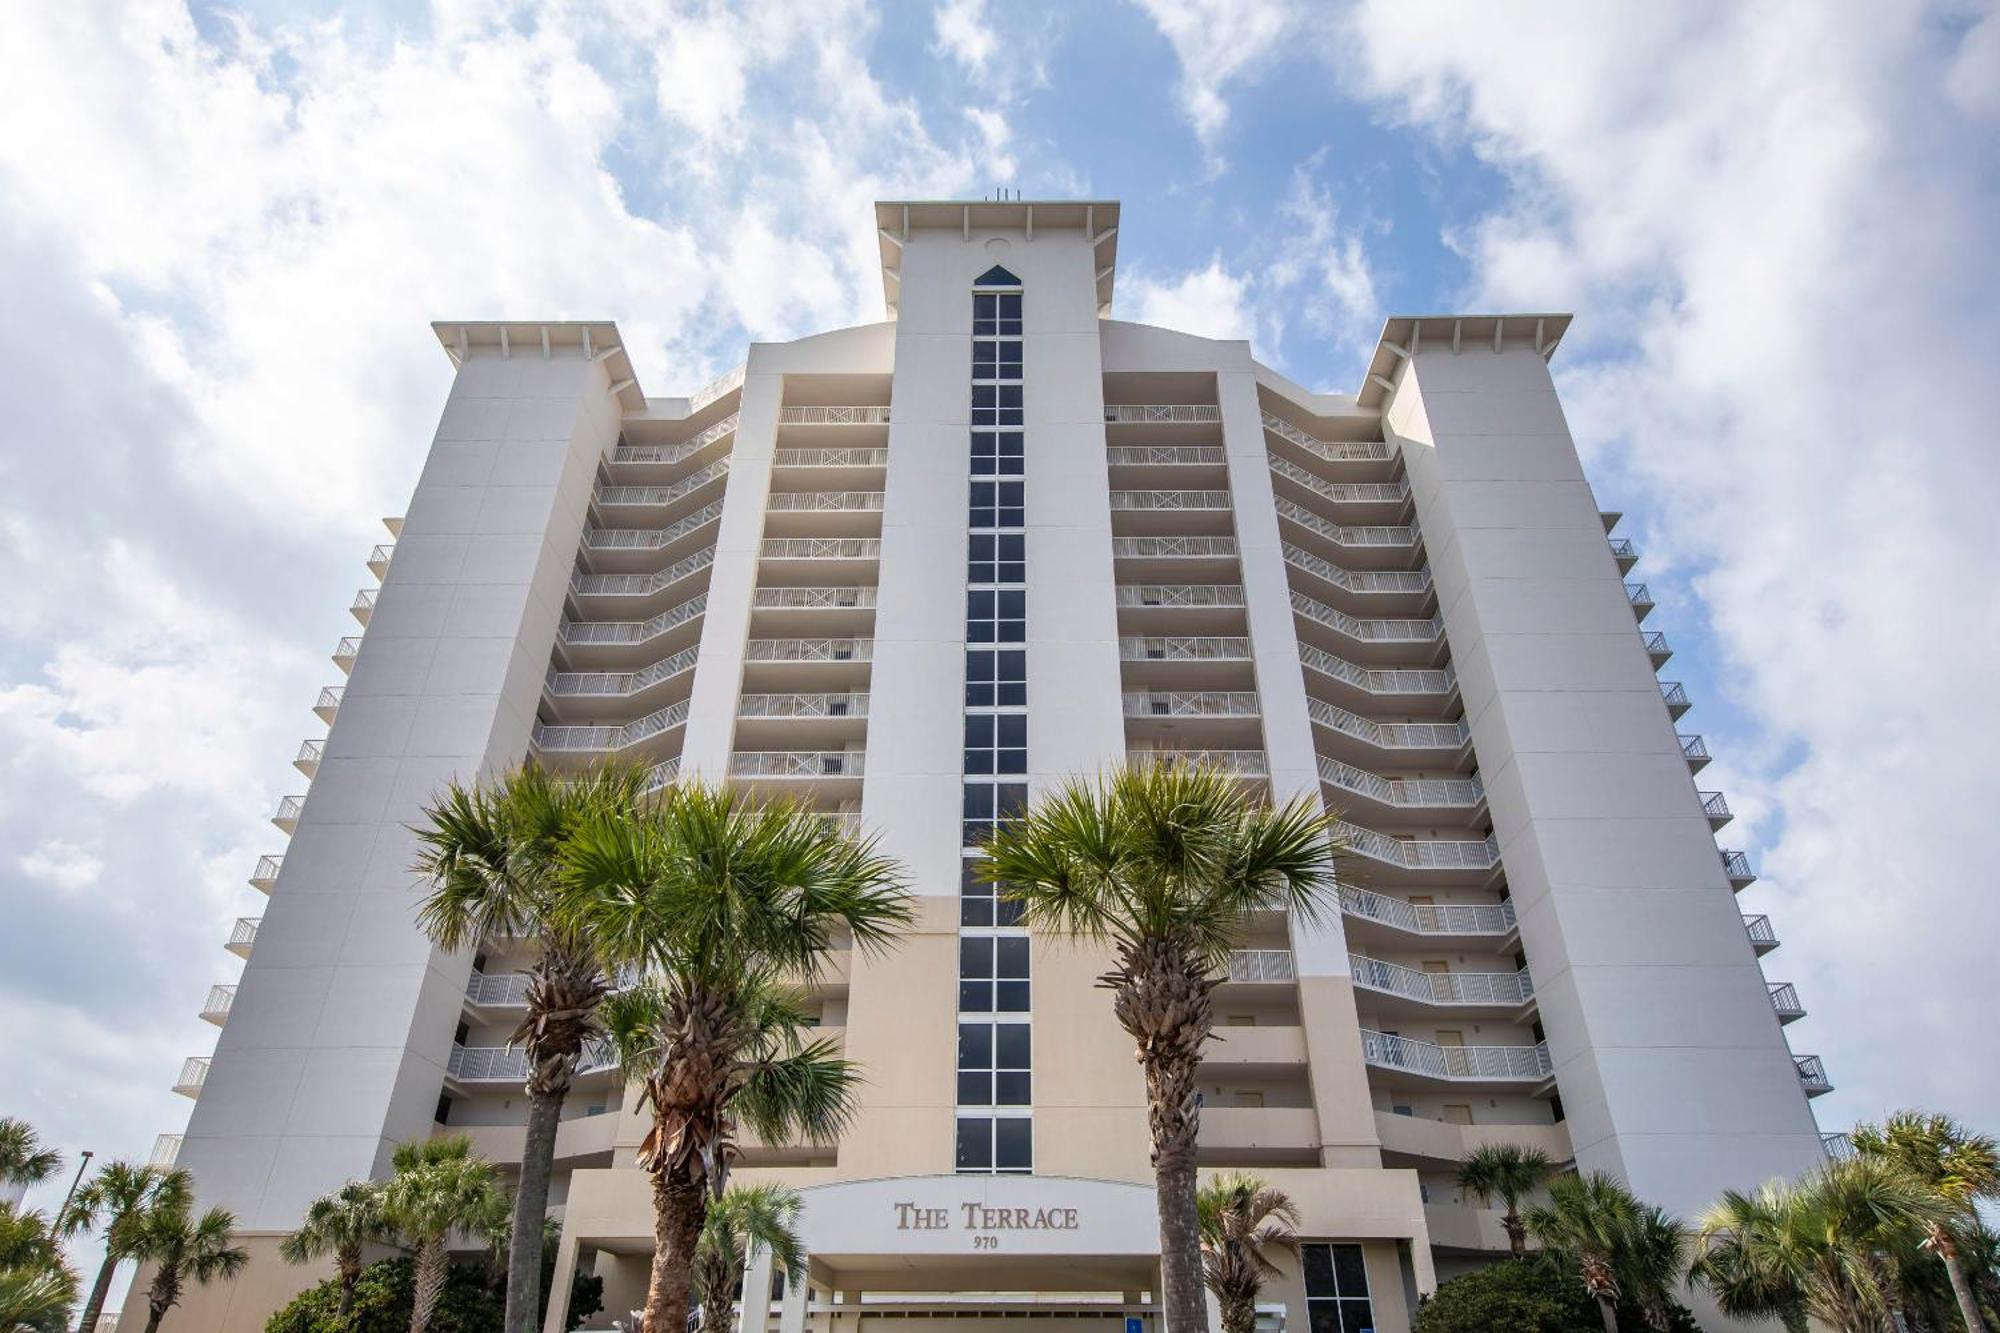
[(287, 816), (631, 633), (1838, 1147), (660, 497), (1676, 697), (166, 1151), (1333, 451), (1392, 546), (1641, 598), (1180, 608), (610, 739), (662, 775), (344, 654), (1191, 703), (1502, 991), (1812, 1075), (1427, 855), (629, 550), (1657, 648), (1624, 552), (1135, 513), (244, 935), (1268, 1135), (870, 414), (1235, 763), (1187, 663), (194, 1073), (509, 1064), (1477, 921), (1162, 461), (838, 599), (1763, 937), (1737, 866), (1433, 1141), (821, 766), (1267, 1050), (1785, 1000), (363, 605), (1137, 414), (266, 873), (379, 558), (581, 1140), (1388, 499), (308, 757), (1715, 807), (822, 557), (327, 706), (1413, 586), (823, 513), (827, 720), (830, 458), (1380, 637), (1413, 742), (853, 704), (617, 684), (1409, 687), (1455, 1064), (640, 585), (215, 1009), (675, 453), (1402, 795), (1695, 750), (1218, 551), (808, 665), (1259, 966)]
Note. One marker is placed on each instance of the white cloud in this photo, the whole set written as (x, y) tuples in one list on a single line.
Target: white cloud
[(964, 34), (1210, 302), (1217, 43), (65, 865), (1777, 239)]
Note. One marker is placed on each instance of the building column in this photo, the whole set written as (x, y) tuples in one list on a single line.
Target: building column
[(757, 1290), (798, 1295), (559, 1281)]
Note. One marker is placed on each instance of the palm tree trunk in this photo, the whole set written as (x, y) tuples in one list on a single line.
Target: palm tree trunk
[(154, 1314), (531, 1205), (1607, 1310), (1968, 1305), (718, 1288), (431, 1267), (679, 1207), (160, 1299), (1239, 1314), (1517, 1235), (100, 1290), (1180, 1247)]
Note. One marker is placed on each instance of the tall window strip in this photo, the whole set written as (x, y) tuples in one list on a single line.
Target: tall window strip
[(995, 1130)]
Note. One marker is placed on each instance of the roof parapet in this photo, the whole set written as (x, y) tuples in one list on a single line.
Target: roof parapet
[(1404, 335)]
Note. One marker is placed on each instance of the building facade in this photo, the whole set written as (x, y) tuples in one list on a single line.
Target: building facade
[(918, 571)]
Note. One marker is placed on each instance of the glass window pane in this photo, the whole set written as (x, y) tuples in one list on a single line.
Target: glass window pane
[(1009, 1089), (975, 1088), (1350, 1274), (975, 1045), (975, 1144), (1011, 954), (1323, 1316), (1318, 1264), (1011, 997), (1010, 1045), (1013, 1143), (975, 956), (976, 911), (975, 997), (1356, 1317)]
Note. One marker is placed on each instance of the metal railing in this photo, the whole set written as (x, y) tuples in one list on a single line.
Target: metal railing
[(218, 1003), (1622, 548), (872, 414), (592, 739), (1368, 631), (823, 502), (1465, 988), (1838, 1146), (1419, 853), (166, 1150), (1417, 581), (498, 988), (1343, 534), (809, 650), (1198, 501), (1428, 918), (266, 873), (491, 1064), (796, 764), (674, 453), (244, 934), (1191, 703), (662, 774), (1165, 455), (1459, 1063), (1184, 649), (640, 585), (851, 704), (1174, 595), (613, 684), (1172, 548), (1236, 763), (1693, 746), (380, 556), (662, 495), (194, 1073), (364, 603), (650, 539), (1334, 451), (1365, 492), (1409, 793), (1714, 806), (1785, 999), (1638, 594), (1125, 414), (346, 651), (813, 599), (1812, 1073), (728, 382), (1737, 865), (1406, 680), (1760, 931), (1675, 694), (1261, 965), (309, 755), (820, 548), (328, 702), (288, 810), (1389, 735), (861, 457), (1657, 646), (579, 633)]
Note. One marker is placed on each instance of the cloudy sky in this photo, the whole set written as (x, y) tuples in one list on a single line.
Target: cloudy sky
[(223, 233)]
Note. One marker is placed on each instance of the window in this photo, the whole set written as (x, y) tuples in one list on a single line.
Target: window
[(996, 743), (996, 504), (993, 974), (1336, 1289), (996, 616), (980, 903), (996, 314), (993, 1064), (996, 453), (996, 557), (996, 676), (999, 360), (996, 404), (996, 1145), (996, 277), (988, 805)]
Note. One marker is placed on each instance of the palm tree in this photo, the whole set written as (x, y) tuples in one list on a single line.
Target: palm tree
[(723, 904), (1655, 1262), (746, 1217), (34, 1298), (1586, 1225), (439, 1187), (184, 1248), (1752, 1258), (1242, 1219), (1509, 1173), (342, 1224), (491, 856), (23, 1159), (113, 1203), (1165, 864), (1956, 1167)]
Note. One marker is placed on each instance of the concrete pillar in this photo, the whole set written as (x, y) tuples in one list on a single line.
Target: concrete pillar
[(757, 1290), (559, 1281), (798, 1295)]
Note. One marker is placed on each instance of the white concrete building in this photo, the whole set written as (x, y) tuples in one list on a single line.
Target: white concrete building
[(918, 571)]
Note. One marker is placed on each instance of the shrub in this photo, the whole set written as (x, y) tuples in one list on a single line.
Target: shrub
[(382, 1304), (1524, 1297)]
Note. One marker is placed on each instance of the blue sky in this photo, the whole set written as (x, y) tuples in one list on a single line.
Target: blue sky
[(223, 233)]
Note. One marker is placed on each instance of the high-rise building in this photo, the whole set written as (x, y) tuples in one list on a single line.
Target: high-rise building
[(915, 572)]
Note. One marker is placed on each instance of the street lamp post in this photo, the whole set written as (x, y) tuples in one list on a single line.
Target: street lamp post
[(82, 1164)]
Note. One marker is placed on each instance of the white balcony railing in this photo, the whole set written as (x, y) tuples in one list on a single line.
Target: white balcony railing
[(640, 585), (166, 1151), (379, 558), (1410, 793), (220, 999), (266, 872), (796, 764), (1488, 919), (194, 1073), (289, 809), (821, 548), (1184, 649), (1211, 596), (1128, 414), (1785, 999), (1622, 548), (813, 599), (850, 704), (1762, 934), (1236, 763), (651, 539), (1342, 534), (1657, 647), (1737, 866), (1191, 703), (1812, 1075), (1261, 965), (586, 739), (328, 704), (1420, 853), (1165, 455), (308, 757), (1440, 680), (496, 1064), (508, 989), (1693, 748), (243, 935), (728, 382), (1367, 492), (1367, 631), (1715, 807), (674, 453), (1359, 581), (1464, 1064), (580, 633), (363, 606), (1504, 989), (1389, 735), (662, 774), (617, 684), (1837, 1146), (345, 652), (1334, 451), (868, 458), (1173, 548), (1189, 501), (809, 650), (824, 502), (652, 496), (872, 414)]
